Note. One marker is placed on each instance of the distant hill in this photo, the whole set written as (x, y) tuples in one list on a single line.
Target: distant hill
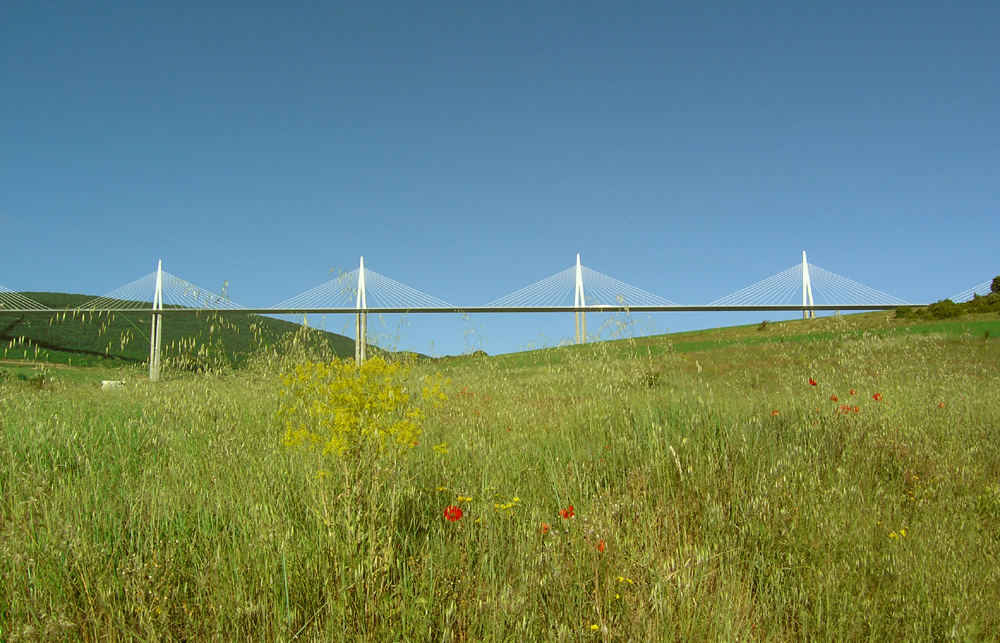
[(124, 337)]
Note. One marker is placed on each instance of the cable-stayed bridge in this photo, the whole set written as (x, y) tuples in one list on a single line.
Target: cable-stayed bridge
[(578, 289)]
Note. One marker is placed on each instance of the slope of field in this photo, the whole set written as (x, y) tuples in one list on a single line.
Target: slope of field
[(838, 481), (875, 324)]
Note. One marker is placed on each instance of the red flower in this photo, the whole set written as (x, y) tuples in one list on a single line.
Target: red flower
[(567, 512), (833, 398), (856, 409), (545, 528), (812, 382), (453, 513), (600, 546), (877, 397), (853, 392), (774, 412), (940, 405)]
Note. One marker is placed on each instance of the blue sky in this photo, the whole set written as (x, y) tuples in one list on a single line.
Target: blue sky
[(471, 149)]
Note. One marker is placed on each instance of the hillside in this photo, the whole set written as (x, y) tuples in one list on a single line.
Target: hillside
[(88, 338), (714, 344), (108, 339)]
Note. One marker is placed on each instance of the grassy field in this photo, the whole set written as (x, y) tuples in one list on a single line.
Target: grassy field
[(697, 486)]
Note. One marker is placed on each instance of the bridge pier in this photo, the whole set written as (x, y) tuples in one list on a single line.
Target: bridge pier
[(578, 302), (360, 338), (156, 326)]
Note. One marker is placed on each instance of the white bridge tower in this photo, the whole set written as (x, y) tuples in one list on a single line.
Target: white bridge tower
[(156, 326), (361, 320), (807, 290), (579, 302)]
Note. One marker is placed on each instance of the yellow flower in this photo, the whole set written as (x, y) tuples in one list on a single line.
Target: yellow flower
[(342, 407), (595, 627)]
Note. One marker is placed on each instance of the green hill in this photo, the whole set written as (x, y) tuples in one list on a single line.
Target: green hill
[(93, 338), (712, 343), (206, 339)]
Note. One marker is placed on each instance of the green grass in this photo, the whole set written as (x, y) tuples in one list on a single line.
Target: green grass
[(821, 329), (173, 511)]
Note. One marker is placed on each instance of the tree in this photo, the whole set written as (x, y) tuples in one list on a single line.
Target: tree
[(995, 286)]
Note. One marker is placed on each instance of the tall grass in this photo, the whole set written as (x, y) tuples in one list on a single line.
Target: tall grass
[(715, 494)]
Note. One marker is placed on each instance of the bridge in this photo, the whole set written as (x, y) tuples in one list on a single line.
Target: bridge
[(578, 289)]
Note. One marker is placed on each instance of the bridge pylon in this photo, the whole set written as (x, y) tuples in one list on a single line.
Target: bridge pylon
[(807, 290), (156, 326), (361, 318), (578, 301)]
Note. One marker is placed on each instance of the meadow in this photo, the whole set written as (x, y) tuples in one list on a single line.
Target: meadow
[(824, 479)]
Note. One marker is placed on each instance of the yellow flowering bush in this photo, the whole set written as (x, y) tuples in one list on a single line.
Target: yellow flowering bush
[(343, 408)]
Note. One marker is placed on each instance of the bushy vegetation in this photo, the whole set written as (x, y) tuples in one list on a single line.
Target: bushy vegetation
[(846, 487), (946, 308), (346, 410)]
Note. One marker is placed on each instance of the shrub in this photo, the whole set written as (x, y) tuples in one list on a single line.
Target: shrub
[(985, 304), (345, 409), (944, 309)]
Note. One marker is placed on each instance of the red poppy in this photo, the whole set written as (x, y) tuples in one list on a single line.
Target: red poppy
[(544, 529), (812, 382), (856, 409), (940, 405), (774, 412), (567, 512), (600, 546), (877, 397), (853, 392), (833, 398), (453, 513)]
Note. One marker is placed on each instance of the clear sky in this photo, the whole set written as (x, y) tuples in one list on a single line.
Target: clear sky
[(469, 149)]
